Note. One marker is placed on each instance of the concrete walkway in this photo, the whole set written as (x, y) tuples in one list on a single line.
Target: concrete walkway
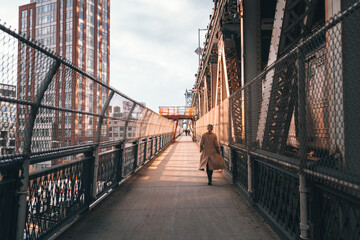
[(170, 199)]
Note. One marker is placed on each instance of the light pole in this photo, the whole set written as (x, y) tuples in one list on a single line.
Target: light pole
[(199, 50)]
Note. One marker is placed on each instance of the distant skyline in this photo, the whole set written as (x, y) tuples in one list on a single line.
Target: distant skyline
[(152, 45)]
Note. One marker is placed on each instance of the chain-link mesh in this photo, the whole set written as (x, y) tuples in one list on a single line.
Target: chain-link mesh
[(332, 96), (304, 106), (326, 65), (62, 134), (47, 104), (12, 113)]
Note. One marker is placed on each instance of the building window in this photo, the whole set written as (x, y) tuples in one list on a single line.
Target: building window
[(67, 132), (24, 19), (68, 37), (69, 3), (69, 25), (24, 14), (46, 19), (69, 14)]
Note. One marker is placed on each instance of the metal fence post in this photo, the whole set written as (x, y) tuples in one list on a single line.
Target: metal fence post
[(248, 138), (136, 160), (95, 172), (119, 155), (97, 142), (304, 226), (160, 145), (145, 149), (154, 145), (157, 144), (148, 148), (151, 147), (24, 178), (250, 170), (123, 159), (89, 176)]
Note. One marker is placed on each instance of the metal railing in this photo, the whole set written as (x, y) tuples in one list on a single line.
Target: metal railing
[(66, 138), (290, 137), (176, 111), (61, 192)]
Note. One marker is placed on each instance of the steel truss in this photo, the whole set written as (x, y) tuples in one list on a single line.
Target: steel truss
[(286, 101)]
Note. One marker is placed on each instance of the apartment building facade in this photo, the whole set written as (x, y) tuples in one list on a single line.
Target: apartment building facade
[(7, 120), (78, 30)]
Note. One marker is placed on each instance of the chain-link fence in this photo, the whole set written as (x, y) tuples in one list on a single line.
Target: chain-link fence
[(47, 103), (66, 138), (305, 101), (294, 135)]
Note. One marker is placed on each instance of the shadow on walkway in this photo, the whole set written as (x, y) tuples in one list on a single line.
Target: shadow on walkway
[(170, 199)]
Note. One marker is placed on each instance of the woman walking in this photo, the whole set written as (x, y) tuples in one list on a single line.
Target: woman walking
[(210, 153)]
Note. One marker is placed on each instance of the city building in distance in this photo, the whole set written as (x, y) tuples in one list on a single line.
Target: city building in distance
[(78, 30), (117, 128), (7, 120)]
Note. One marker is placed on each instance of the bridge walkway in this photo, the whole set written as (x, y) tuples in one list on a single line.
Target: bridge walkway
[(170, 199)]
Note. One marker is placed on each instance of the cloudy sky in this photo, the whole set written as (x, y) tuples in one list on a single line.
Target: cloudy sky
[(152, 46)]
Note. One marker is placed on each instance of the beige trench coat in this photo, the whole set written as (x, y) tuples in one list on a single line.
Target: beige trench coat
[(210, 152)]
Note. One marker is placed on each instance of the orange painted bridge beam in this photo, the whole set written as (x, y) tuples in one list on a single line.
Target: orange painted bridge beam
[(177, 113)]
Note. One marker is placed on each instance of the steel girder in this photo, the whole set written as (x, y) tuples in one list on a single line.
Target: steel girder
[(225, 28), (297, 22), (208, 89), (291, 23), (213, 75), (237, 116), (232, 65)]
